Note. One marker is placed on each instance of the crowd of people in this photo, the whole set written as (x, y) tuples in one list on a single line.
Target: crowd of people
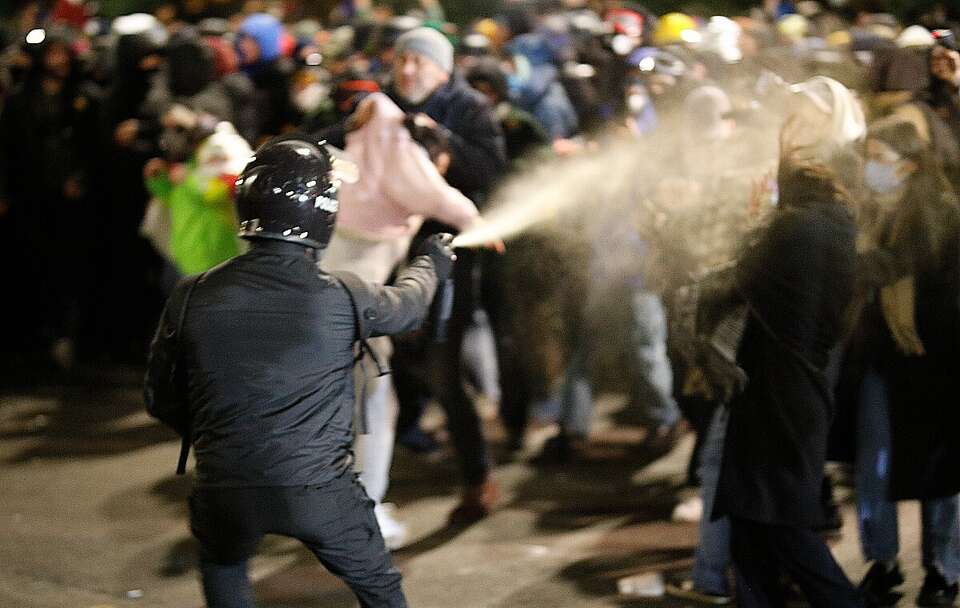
[(754, 235)]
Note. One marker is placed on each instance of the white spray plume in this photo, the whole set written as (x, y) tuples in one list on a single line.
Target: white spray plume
[(587, 180)]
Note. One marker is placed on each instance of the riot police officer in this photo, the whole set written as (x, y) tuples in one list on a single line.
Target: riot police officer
[(252, 365)]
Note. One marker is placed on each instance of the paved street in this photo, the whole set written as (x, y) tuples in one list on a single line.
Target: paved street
[(91, 516)]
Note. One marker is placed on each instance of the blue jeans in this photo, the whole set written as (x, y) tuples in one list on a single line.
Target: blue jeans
[(654, 387), (712, 557), (576, 396), (879, 535)]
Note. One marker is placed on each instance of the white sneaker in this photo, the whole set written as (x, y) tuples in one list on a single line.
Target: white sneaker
[(649, 584), (394, 533), (689, 511)]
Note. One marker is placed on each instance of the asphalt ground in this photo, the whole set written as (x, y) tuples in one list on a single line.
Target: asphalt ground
[(92, 516)]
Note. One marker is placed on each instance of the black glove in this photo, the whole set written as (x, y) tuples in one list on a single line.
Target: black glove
[(438, 248)]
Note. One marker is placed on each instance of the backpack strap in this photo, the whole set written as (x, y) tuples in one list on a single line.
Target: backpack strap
[(357, 291), (187, 437)]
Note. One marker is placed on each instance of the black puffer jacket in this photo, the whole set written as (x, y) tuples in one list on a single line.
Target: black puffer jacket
[(265, 387)]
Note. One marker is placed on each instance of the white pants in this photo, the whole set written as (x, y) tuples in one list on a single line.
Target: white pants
[(371, 261)]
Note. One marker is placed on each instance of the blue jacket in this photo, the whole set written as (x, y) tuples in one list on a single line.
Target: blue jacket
[(541, 92)]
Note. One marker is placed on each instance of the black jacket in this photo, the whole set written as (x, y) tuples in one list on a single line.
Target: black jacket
[(265, 359), (478, 157), (797, 281)]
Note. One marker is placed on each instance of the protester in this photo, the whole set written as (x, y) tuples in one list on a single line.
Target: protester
[(197, 196), (906, 337), (535, 86), (48, 177), (260, 48), (402, 184), (796, 281), (424, 82)]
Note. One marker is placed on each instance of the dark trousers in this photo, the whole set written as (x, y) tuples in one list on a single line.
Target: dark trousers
[(763, 554), (423, 367), (335, 521), (435, 371)]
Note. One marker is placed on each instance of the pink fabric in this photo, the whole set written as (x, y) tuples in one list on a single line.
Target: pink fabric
[(398, 185)]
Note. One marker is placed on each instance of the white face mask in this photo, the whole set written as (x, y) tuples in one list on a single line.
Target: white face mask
[(882, 178), (637, 103), (309, 98)]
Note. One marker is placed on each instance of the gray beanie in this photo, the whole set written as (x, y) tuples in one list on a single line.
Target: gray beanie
[(428, 42)]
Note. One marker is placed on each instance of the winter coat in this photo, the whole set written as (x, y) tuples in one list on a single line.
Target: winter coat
[(190, 80), (797, 282), (271, 75), (399, 186), (922, 389), (265, 391), (44, 141), (545, 98), (203, 231), (540, 91), (477, 156)]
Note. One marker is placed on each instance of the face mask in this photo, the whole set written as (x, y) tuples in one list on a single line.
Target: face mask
[(310, 97), (637, 103), (881, 178)]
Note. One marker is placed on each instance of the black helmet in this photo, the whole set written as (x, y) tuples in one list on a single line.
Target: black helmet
[(288, 192)]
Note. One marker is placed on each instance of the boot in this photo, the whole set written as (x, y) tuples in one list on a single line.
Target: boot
[(477, 502)]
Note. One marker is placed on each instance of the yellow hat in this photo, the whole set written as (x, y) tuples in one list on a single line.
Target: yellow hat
[(488, 28), (793, 27), (674, 28)]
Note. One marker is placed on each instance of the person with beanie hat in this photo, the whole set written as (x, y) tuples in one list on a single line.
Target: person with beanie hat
[(426, 62), (430, 43), (424, 83)]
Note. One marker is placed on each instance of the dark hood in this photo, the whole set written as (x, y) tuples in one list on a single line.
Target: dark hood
[(191, 65)]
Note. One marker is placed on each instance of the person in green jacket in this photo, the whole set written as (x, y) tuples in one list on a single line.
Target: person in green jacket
[(201, 231)]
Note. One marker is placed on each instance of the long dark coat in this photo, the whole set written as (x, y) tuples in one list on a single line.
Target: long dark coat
[(797, 281), (923, 391)]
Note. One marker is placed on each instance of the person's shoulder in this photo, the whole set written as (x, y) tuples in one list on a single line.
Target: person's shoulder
[(815, 222), (346, 282), (236, 84), (462, 94)]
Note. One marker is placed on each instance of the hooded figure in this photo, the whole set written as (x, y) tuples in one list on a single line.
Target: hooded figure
[(191, 63), (260, 48), (136, 60), (535, 86), (47, 151), (203, 225), (522, 132), (131, 129)]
